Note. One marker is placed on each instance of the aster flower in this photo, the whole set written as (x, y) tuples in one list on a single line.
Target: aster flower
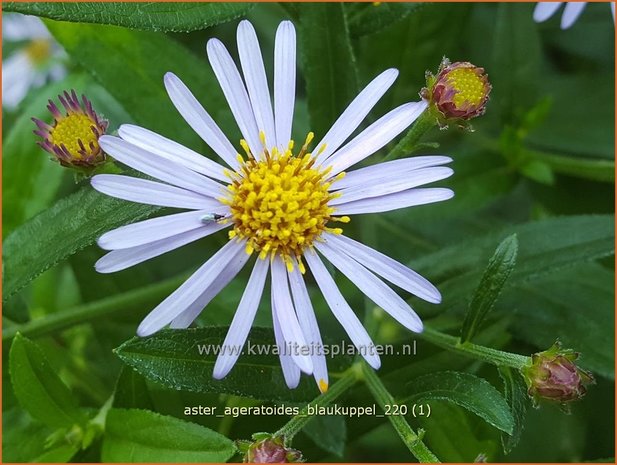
[(37, 60), (278, 201), (73, 137), (571, 12)]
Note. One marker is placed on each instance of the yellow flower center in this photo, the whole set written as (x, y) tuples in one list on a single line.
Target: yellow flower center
[(73, 128), (470, 88), (279, 203), (38, 50)]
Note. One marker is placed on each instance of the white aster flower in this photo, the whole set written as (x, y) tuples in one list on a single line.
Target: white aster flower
[(278, 202), (571, 12), (36, 60)]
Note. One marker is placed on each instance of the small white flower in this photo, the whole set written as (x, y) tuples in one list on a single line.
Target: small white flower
[(571, 12), (278, 201), (36, 61)]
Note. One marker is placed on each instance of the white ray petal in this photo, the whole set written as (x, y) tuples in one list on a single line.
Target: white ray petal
[(235, 93), (242, 321), (160, 168), (373, 287), (396, 183), (308, 323), (121, 259), (18, 27), (18, 74), (355, 113), (384, 203), (188, 316), (290, 327), (544, 10), (386, 267), (375, 136), (171, 150), (571, 12), (198, 118), (342, 311), (284, 81), (291, 372), (154, 229), (254, 73), (384, 171), (190, 290), (151, 192)]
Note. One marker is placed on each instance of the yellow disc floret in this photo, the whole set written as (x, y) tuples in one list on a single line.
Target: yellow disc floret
[(279, 203), (38, 51), (470, 87), (74, 128)]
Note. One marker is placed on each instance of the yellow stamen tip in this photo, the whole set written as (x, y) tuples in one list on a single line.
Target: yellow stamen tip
[(323, 386)]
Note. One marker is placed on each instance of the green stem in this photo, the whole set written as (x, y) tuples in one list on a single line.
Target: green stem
[(408, 435), (486, 354), (295, 425), (134, 299), (425, 122)]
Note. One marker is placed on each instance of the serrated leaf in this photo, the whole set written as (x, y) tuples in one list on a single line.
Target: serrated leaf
[(149, 16), (328, 432), (470, 392), (516, 395), (328, 62), (144, 436), (38, 388), (172, 358), (63, 229), (495, 275)]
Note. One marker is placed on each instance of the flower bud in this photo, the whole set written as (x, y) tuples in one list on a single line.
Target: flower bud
[(552, 375), (268, 449), (73, 136), (458, 92)]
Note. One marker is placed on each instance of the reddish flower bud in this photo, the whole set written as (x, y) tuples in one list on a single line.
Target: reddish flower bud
[(553, 375), (460, 91), (73, 136), (268, 449)]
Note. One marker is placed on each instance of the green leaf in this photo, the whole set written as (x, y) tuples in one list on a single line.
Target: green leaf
[(538, 171), (543, 248), (164, 17), (134, 77), (475, 394), (172, 358), (368, 18), (453, 435), (328, 432), (495, 275), (39, 389), (132, 391), (516, 395), (516, 60), (576, 306), (68, 226), (328, 62), (144, 436)]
